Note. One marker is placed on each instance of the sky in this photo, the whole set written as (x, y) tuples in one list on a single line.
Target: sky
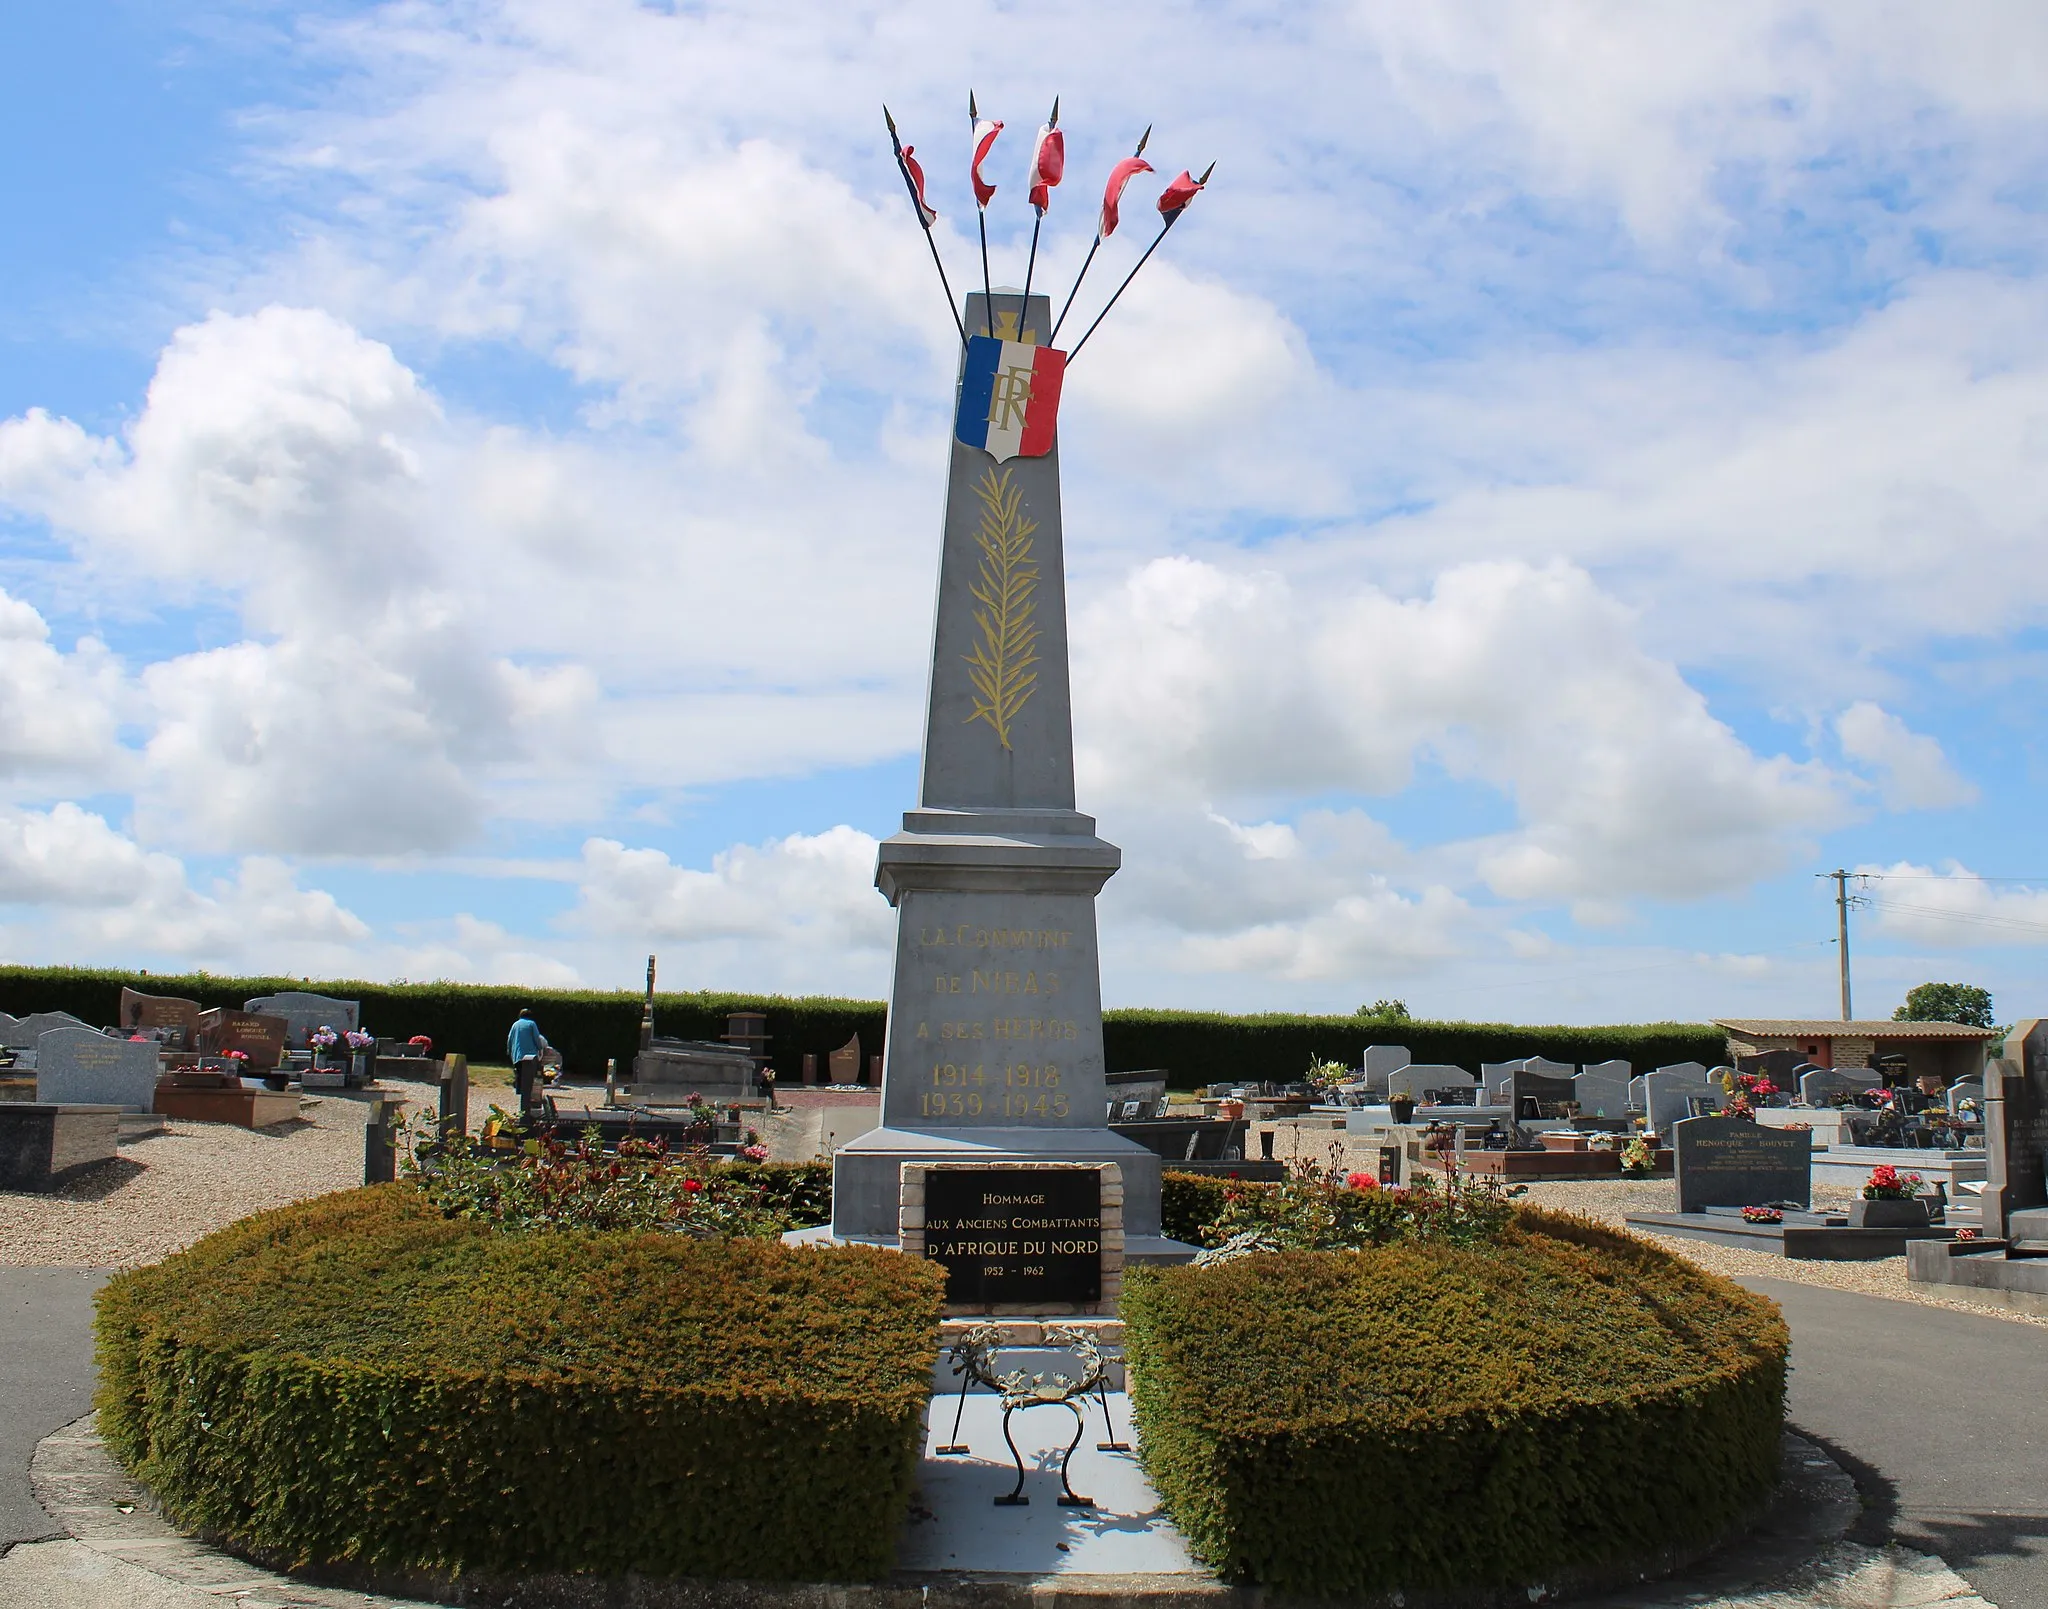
[(470, 479)]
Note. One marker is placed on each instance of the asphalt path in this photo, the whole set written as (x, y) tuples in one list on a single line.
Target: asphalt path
[(1941, 1417), (45, 1379)]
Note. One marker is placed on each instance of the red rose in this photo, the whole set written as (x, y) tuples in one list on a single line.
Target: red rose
[(692, 1186), (1361, 1181)]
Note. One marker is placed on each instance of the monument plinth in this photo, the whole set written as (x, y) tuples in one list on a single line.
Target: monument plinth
[(994, 1047)]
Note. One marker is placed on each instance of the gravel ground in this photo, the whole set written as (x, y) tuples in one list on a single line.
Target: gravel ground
[(165, 1192), (1612, 1201)]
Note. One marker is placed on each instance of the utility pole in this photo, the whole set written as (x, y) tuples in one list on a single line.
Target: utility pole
[(1842, 933)]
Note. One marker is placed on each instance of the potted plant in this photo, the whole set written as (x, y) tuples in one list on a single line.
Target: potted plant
[(323, 1040), (1639, 1158), (1891, 1200), (362, 1052), (1402, 1106)]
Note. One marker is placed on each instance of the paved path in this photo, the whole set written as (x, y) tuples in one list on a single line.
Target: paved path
[(45, 1379), (1942, 1417)]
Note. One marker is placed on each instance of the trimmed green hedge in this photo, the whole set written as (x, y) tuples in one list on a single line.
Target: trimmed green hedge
[(1205, 1047), (1570, 1399), (590, 1026), (357, 1380)]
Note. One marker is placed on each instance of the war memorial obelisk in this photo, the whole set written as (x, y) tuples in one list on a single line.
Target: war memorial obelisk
[(994, 1049)]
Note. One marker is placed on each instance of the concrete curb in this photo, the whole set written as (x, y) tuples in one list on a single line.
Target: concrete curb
[(1795, 1557)]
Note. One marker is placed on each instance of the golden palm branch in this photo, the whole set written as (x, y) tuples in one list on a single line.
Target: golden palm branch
[(1001, 666)]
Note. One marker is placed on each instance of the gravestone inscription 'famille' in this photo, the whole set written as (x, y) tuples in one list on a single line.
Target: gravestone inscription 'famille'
[(994, 1048), (1727, 1162)]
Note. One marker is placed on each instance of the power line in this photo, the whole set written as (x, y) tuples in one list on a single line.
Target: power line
[(1937, 913), (1940, 877)]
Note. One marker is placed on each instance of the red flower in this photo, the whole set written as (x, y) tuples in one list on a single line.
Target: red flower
[(692, 1186), (1361, 1181)]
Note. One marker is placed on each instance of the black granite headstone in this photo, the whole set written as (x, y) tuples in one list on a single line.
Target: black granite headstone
[(1016, 1235), (2016, 1126), (1726, 1162)]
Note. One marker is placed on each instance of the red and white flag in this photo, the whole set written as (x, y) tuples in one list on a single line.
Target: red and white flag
[(1113, 192), (927, 213), (1174, 199), (985, 132), (1048, 164)]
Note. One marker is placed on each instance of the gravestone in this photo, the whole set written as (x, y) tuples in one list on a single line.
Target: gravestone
[(82, 1066), (21, 1033), (1529, 1092), (1823, 1084), (42, 1144), (1602, 1090), (843, 1064), (1967, 1089), (1382, 1060), (304, 1012), (1417, 1079), (1544, 1067), (2016, 1132), (1669, 1096), (257, 1035), (153, 1011), (994, 1039), (1493, 1078), (1726, 1162), (1781, 1067), (1016, 1236), (1639, 1093)]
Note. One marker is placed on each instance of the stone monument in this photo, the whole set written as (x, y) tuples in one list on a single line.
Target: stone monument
[(2016, 1134), (994, 1047)]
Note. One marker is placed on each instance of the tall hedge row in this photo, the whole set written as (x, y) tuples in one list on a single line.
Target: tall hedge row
[(590, 1026), (1517, 1415), (356, 1380)]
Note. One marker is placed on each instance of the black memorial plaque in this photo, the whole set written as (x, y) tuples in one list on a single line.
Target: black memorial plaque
[(1016, 1235), (1726, 1162)]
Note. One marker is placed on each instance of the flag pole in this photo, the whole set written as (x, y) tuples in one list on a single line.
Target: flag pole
[(917, 211), (1172, 219), (1090, 258), (1024, 307), (988, 297)]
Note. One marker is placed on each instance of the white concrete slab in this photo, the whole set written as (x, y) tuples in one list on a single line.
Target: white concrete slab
[(956, 1525)]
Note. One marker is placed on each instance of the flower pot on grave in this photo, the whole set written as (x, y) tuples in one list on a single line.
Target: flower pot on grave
[(1892, 1213), (364, 1066), (1402, 1107)]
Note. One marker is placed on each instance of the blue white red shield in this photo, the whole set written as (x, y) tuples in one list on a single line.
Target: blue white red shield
[(1009, 397)]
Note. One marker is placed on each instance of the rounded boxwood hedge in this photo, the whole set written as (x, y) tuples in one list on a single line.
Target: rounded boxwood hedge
[(357, 1380), (1427, 1416)]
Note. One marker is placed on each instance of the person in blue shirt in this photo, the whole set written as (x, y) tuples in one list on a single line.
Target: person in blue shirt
[(523, 1048)]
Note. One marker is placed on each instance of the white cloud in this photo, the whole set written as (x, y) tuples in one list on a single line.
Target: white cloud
[(99, 893), (1913, 773), (804, 906), (1212, 685), (58, 711), (1952, 908)]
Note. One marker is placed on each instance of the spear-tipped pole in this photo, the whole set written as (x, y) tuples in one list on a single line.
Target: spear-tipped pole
[(1037, 223), (917, 211), (1068, 306), (1172, 218), (988, 297)]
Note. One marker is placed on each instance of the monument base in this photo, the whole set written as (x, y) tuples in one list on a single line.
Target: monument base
[(867, 1176)]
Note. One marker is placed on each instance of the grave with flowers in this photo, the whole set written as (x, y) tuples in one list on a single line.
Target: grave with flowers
[(1741, 1183)]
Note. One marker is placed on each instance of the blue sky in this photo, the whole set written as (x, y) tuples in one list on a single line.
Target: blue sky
[(469, 481)]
